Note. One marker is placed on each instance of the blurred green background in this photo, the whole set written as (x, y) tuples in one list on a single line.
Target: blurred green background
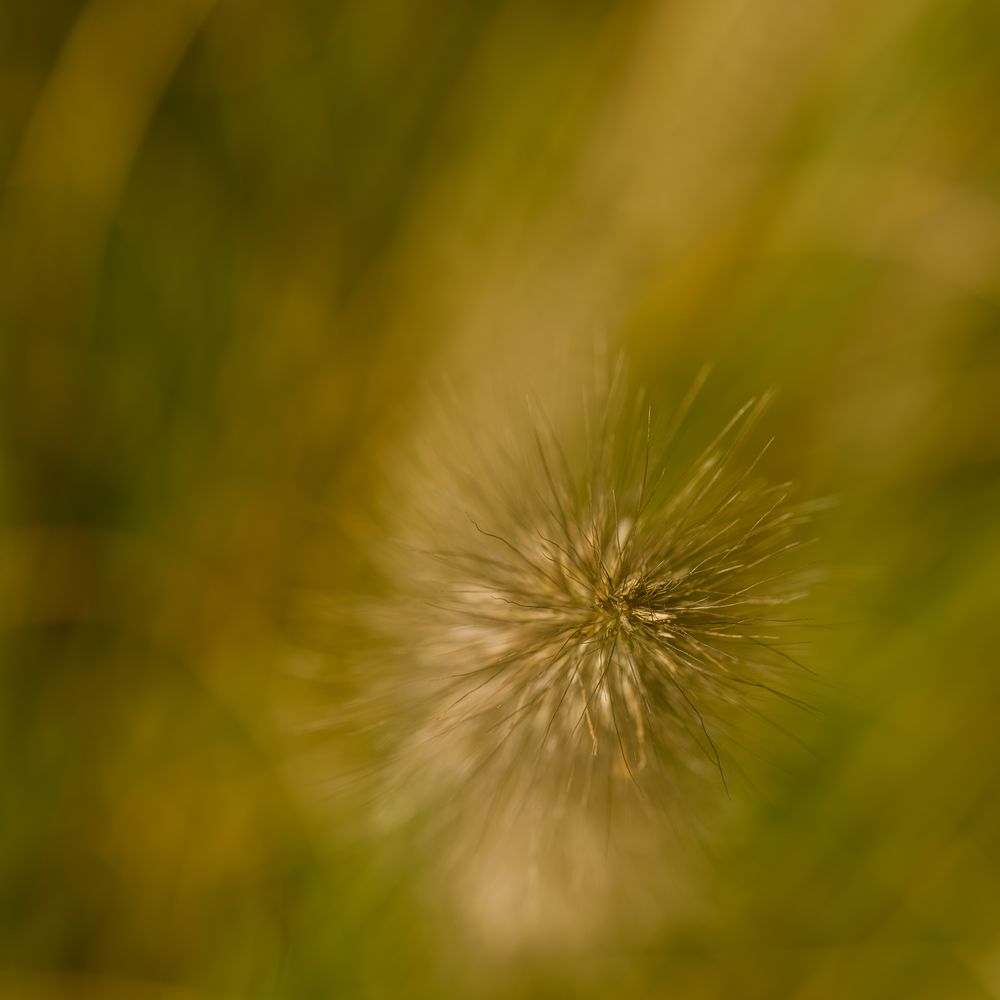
[(235, 239)]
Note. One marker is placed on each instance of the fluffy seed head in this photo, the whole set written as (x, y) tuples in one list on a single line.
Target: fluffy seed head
[(583, 625)]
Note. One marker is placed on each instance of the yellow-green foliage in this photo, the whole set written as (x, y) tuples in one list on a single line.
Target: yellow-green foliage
[(238, 240)]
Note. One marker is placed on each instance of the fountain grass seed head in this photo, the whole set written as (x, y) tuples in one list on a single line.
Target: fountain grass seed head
[(579, 628)]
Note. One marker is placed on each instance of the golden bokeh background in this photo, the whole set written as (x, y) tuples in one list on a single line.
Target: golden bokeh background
[(237, 239)]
